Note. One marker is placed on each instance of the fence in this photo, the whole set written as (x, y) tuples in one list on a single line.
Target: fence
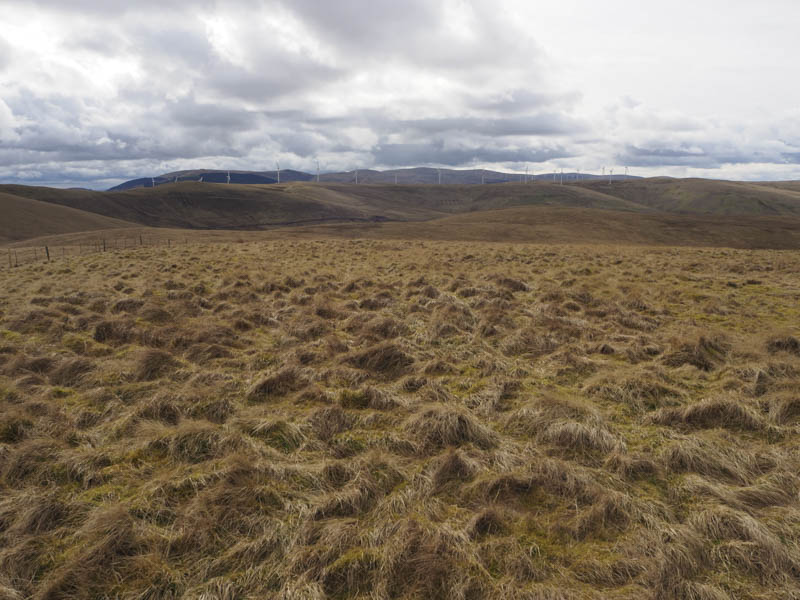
[(29, 254)]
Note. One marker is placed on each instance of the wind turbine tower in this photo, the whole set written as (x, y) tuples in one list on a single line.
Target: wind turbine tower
[(562, 177), (526, 173), (152, 182), (439, 173), (229, 176), (317, 171), (278, 170), (610, 175)]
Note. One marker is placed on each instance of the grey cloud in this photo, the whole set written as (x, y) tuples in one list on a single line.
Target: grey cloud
[(528, 125), (710, 156), (6, 53), (190, 113), (522, 100), (439, 153)]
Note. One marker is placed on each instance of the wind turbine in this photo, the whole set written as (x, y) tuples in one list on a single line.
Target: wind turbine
[(201, 179), (176, 179), (526, 173), (356, 176), (153, 181), (278, 170), (439, 173), (317, 171), (562, 177), (229, 176), (610, 175)]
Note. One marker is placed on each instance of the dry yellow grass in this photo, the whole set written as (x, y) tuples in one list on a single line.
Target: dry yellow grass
[(401, 419)]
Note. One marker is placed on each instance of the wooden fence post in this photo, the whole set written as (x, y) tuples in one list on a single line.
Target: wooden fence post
[(9, 258), (16, 262), (47, 251), (104, 245)]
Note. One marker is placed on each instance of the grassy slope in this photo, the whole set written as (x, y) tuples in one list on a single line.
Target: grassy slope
[(539, 224), (23, 218), (536, 224), (215, 206), (705, 196), (401, 419)]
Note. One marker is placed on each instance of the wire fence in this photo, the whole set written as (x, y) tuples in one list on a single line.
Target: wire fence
[(23, 255)]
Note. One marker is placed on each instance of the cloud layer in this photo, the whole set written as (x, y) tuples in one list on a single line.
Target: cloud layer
[(94, 92)]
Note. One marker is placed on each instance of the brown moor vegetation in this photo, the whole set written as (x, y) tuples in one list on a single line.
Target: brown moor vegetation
[(398, 419)]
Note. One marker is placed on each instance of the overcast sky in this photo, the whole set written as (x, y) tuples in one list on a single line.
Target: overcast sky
[(94, 92)]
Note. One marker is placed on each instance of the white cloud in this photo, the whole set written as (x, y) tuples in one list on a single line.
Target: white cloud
[(100, 91)]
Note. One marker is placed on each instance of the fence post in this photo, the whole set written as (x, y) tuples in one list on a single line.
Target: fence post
[(47, 251), (104, 245), (169, 243), (16, 262), (9, 258), (140, 240)]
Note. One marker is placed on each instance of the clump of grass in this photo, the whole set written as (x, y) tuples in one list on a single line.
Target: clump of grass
[(279, 383), (706, 353), (113, 332), (708, 459), (281, 435), (728, 413), (785, 409), (192, 442), (154, 364), (330, 421), (368, 397), (438, 428), (453, 466), (783, 343), (71, 371), (388, 359)]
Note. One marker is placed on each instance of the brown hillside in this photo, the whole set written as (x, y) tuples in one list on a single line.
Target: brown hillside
[(24, 218), (704, 196)]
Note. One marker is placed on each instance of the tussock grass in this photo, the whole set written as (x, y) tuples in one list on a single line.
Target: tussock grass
[(728, 413), (351, 419), (438, 428), (278, 384), (387, 359)]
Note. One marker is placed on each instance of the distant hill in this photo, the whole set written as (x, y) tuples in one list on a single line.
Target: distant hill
[(213, 206), (418, 175), (24, 218), (577, 225), (705, 196)]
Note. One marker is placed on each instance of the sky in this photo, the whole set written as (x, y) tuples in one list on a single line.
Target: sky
[(95, 92)]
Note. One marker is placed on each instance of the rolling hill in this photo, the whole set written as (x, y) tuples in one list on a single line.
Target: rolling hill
[(705, 196), (25, 218), (208, 206), (657, 211), (416, 176)]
